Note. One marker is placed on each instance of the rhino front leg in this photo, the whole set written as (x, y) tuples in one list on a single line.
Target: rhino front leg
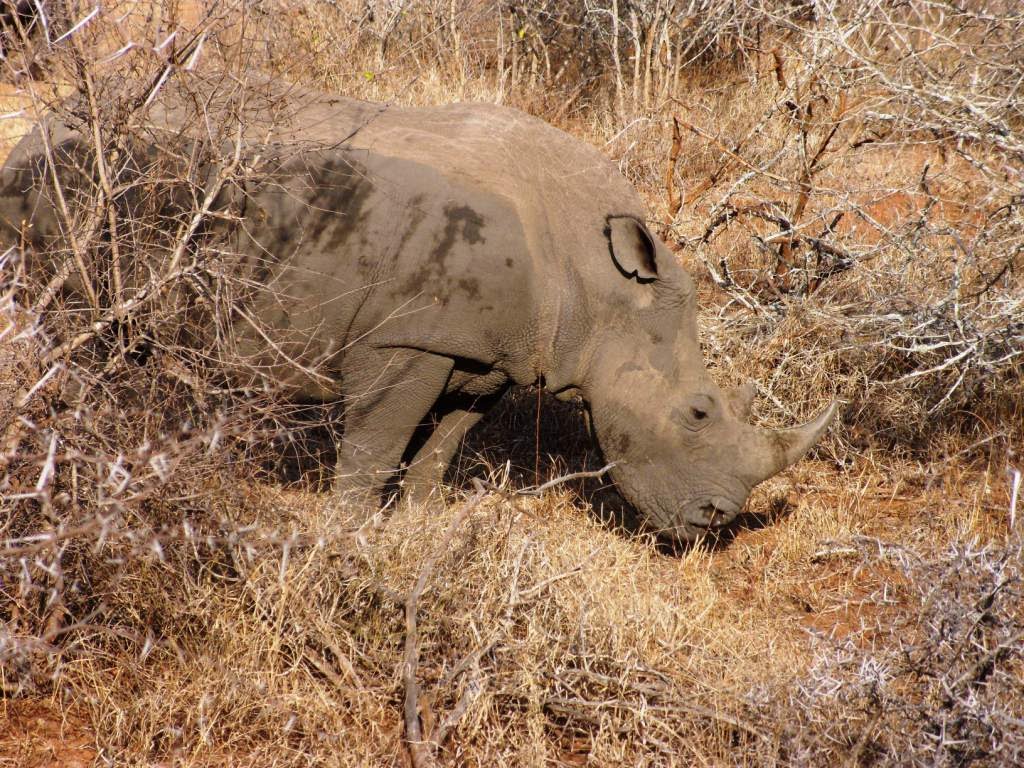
[(388, 394)]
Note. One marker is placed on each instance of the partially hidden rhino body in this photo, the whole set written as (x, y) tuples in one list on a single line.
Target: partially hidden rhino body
[(420, 261)]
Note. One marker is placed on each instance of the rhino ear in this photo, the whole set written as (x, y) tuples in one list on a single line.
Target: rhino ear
[(632, 248)]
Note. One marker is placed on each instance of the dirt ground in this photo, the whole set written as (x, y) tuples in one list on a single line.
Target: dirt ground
[(39, 734)]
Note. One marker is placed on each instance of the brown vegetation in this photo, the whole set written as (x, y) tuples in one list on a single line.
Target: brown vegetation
[(842, 179)]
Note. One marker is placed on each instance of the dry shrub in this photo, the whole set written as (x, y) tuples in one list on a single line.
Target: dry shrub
[(858, 203), (126, 399), (533, 644), (541, 637), (554, 57), (942, 684)]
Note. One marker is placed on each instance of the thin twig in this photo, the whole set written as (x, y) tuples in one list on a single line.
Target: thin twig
[(674, 200), (538, 490)]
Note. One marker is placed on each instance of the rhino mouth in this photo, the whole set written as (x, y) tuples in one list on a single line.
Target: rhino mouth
[(715, 513)]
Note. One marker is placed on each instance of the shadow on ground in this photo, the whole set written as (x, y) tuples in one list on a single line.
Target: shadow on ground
[(526, 438)]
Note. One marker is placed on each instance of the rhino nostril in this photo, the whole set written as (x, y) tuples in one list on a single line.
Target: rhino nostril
[(716, 513), (709, 514)]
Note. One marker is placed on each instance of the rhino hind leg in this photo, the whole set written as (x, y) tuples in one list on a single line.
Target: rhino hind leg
[(388, 393), (428, 465), (448, 427)]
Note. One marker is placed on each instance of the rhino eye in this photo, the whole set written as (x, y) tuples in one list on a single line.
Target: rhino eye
[(697, 413)]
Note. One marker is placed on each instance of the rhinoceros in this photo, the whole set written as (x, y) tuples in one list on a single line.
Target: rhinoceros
[(423, 260)]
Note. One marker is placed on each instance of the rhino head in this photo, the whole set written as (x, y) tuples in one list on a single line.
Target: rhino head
[(684, 455)]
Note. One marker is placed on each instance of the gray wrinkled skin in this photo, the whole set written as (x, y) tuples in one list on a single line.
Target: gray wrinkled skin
[(427, 259)]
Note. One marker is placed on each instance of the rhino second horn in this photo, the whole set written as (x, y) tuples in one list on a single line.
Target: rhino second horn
[(783, 447), (741, 398)]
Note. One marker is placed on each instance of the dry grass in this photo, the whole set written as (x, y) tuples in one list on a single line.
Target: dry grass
[(180, 605)]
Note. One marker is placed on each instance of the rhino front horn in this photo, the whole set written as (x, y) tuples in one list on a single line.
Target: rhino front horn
[(783, 447)]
